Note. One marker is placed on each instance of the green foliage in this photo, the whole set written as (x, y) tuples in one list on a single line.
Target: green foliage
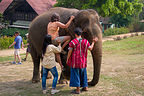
[(121, 10), (105, 7), (10, 32), (121, 21), (1, 18), (115, 31), (136, 26), (6, 41), (71, 3)]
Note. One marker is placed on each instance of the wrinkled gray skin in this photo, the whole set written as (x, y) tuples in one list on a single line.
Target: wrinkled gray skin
[(88, 20)]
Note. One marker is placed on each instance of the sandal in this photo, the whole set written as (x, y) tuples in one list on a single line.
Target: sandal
[(75, 92), (84, 89)]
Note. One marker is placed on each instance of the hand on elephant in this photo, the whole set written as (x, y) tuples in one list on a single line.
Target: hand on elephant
[(59, 41), (72, 17), (95, 39)]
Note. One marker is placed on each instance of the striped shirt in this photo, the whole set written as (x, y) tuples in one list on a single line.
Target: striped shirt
[(78, 58)]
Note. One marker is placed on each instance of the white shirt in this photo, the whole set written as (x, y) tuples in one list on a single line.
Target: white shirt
[(49, 57)]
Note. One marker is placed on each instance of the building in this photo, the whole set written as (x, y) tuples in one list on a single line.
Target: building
[(22, 12), (104, 21)]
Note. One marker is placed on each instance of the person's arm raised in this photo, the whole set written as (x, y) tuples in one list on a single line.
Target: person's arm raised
[(61, 25)]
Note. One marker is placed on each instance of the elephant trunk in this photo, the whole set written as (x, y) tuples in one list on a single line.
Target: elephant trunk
[(97, 57)]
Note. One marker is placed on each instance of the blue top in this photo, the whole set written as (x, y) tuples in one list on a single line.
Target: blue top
[(18, 41)]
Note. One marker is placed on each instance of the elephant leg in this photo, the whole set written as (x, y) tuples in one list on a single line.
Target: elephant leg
[(65, 74), (36, 64), (62, 79)]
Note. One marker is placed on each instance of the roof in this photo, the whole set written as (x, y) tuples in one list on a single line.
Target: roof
[(4, 5), (105, 20), (39, 6)]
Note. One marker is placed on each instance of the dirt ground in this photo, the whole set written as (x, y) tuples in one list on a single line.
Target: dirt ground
[(117, 73), (121, 75)]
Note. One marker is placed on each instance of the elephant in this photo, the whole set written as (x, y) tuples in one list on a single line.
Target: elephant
[(87, 20)]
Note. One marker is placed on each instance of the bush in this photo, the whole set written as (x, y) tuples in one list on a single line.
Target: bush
[(136, 26), (10, 32), (116, 31), (6, 41), (141, 28)]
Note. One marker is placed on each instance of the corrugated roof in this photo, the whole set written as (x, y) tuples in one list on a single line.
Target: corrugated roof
[(41, 6), (4, 5)]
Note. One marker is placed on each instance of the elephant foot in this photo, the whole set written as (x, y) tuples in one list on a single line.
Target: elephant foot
[(92, 83), (64, 81), (35, 80)]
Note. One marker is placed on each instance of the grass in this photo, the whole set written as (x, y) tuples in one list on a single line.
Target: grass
[(9, 58), (122, 73), (129, 46)]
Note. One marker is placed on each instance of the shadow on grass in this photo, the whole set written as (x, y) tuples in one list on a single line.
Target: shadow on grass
[(27, 88)]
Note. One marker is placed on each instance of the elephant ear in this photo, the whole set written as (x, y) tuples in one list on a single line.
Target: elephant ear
[(97, 17), (82, 19)]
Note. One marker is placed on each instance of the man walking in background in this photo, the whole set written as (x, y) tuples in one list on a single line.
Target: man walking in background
[(17, 45)]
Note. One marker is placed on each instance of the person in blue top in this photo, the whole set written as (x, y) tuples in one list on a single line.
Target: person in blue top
[(17, 45)]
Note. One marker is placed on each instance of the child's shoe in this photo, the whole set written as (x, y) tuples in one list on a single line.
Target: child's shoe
[(19, 63), (44, 91), (13, 62), (53, 91)]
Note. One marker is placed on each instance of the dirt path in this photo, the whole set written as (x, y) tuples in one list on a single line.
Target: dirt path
[(10, 52)]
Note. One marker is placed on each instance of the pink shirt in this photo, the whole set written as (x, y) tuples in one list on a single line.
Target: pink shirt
[(78, 58)]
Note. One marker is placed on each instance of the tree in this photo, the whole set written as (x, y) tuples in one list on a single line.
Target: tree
[(120, 11), (105, 7)]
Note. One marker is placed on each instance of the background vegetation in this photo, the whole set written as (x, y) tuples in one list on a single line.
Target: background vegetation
[(10, 32), (121, 12), (116, 31), (6, 41)]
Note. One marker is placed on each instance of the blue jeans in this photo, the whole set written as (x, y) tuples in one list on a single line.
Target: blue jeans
[(44, 77)]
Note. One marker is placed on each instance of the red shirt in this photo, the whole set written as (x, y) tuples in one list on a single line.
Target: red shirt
[(78, 58)]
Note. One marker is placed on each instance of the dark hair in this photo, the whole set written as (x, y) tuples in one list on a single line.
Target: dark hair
[(78, 31), (55, 17), (17, 32), (47, 41)]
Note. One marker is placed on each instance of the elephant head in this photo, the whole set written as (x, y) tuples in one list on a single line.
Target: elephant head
[(88, 20)]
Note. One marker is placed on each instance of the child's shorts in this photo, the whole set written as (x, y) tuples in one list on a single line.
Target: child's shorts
[(16, 51), (61, 38)]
